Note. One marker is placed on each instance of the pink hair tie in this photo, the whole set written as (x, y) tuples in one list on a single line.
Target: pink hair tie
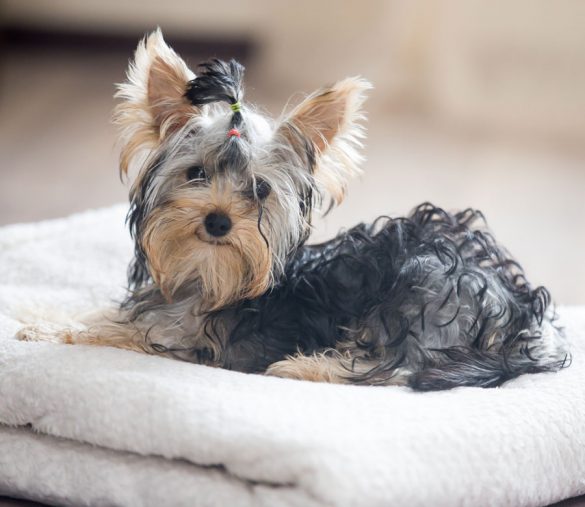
[(234, 132)]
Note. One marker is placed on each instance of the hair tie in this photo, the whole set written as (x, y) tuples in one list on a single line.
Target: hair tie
[(236, 107), (234, 132)]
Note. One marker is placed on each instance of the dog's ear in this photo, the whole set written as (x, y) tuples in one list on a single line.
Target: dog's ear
[(326, 128), (153, 97)]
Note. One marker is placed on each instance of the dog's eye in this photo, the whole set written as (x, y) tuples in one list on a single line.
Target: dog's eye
[(196, 173), (262, 189)]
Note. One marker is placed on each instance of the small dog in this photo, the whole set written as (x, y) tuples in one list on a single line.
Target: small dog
[(221, 206)]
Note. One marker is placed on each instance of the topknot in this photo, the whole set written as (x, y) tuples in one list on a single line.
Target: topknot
[(219, 81)]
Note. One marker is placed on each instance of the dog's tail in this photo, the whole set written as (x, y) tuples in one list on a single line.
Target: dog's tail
[(465, 367)]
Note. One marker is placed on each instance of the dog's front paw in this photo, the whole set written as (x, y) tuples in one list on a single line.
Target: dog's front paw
[(45, 332)]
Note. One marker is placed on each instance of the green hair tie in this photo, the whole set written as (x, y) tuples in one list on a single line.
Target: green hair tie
[(236, 107)]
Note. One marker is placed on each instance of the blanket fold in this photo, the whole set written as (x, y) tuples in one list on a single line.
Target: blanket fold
[(82, 425), (72, 473)]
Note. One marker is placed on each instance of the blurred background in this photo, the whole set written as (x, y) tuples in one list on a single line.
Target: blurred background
[(476, 103)]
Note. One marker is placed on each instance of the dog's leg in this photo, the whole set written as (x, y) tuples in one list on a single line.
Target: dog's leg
[(330, 366), (104, 328), (316, 368)]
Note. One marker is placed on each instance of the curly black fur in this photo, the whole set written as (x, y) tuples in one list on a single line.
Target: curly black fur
[(429, 293)]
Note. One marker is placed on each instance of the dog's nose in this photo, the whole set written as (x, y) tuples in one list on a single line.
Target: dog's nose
[(217, 224)]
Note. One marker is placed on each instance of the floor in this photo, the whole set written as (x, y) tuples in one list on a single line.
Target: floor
[(58, 156)]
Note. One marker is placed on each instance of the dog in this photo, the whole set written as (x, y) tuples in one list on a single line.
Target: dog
[(221, 205)]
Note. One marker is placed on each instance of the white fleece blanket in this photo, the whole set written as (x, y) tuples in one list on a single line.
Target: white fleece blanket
[(83, 425)]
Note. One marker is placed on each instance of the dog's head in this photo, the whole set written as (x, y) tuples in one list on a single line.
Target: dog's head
[(221, 195)]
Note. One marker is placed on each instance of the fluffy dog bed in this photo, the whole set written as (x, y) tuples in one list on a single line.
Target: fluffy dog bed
[(83, 425)]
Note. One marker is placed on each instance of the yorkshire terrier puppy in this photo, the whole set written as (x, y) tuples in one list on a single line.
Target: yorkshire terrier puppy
[(220, 211)]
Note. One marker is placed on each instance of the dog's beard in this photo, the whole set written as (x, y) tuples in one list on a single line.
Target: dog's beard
[(180, 253)]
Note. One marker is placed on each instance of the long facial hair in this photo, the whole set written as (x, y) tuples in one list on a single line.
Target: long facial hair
[(180, 253)]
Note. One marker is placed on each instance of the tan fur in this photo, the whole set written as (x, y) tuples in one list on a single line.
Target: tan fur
[(178, 248), (331, 366), (98, 329)]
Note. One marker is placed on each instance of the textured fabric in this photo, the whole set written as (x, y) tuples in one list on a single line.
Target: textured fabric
[(82, 425)]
